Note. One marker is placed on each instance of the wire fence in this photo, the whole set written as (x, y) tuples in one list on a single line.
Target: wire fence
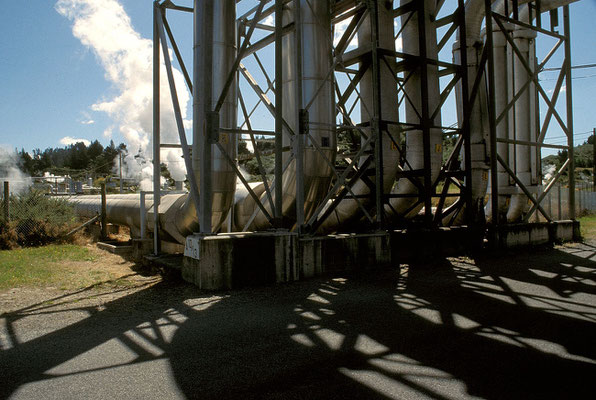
[(32, 218)]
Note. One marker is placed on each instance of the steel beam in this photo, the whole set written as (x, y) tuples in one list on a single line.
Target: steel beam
[(156, 129)]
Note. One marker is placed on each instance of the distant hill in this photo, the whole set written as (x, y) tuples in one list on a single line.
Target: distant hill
[(583, 156)]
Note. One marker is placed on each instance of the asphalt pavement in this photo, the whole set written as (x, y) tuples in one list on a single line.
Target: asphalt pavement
[(519, 325)]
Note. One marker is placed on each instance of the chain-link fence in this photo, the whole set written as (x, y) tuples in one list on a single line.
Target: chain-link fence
[(32, 218)]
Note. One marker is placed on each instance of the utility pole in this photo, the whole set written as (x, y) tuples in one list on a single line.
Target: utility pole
[(120, 154), (104, 213), (6, 201)]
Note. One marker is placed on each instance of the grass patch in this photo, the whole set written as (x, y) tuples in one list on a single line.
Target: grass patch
[(588, 226), (63, 266)]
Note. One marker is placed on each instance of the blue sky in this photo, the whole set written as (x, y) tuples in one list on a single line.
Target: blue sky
[(51, 81)]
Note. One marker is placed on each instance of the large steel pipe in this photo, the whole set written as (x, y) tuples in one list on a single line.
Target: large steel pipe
[(502, 56), (317, 85), (525, 121), (415, 145), (212, 51), (348, 210), (521, 125)]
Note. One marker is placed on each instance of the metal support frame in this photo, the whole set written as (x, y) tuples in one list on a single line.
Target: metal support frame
[(278, 112), (346, 171), (550, 101)]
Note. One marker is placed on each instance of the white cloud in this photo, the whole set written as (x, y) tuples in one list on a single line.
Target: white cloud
[(399, 45), (88, 122), (67, 140), (339, 31), (107, 133), (105, 28)]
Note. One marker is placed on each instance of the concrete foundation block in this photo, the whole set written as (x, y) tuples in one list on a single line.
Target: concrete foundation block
[(565, 231), (328, 254), (512, 236), (539, 234), (141, 247), (238, 260)]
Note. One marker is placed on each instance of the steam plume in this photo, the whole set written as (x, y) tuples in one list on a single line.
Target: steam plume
[(104, 27)]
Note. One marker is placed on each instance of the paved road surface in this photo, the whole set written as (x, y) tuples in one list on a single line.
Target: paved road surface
[(518, 326)]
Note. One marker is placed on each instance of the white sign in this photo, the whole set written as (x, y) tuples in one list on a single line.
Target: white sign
[(192, 248)]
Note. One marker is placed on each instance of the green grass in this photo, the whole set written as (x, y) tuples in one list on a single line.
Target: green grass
[(46, 266), (588, 226)]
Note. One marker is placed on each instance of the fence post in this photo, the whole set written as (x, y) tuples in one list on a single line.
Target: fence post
[(594, 160), (104, 227), (579, 200), (559, 201), (143, 216), (550, 204), (6, 201)]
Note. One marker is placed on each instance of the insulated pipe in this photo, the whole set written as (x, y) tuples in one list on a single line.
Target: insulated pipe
[(502, 56), (478, 130), (120, 209), (525, 120), (221, 15), (526, 111), (522, 157), (317, 89), (414, 138), (348, 209), (478, 124)]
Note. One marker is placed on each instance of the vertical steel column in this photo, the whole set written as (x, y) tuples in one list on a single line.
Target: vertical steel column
[(494, 183), (425, 115), (569, 98), (376, 131), (104, 212), (278, 112), (299, 138), (470, 211), (204, 21), (156, 129), (120, 167)]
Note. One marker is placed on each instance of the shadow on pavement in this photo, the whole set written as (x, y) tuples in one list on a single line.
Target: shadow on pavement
[(514, 326)]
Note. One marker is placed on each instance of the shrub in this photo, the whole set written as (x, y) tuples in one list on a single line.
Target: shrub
[(36, 219)]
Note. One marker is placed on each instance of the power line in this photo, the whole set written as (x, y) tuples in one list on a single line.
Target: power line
[(574, 135), (573, 77), (572, 67)]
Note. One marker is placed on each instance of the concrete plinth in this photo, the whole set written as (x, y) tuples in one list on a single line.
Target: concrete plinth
[(229, 261), (236, 260), (141, 247), (534, 234)]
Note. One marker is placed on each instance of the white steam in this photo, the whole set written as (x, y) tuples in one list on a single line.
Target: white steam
[(548, 171), (104, 27), (9, 171)]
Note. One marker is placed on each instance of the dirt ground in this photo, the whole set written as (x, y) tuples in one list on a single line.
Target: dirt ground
[(126, 279)]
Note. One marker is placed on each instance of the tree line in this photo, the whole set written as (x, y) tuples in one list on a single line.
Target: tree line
[(77, 160), (583, 155)]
